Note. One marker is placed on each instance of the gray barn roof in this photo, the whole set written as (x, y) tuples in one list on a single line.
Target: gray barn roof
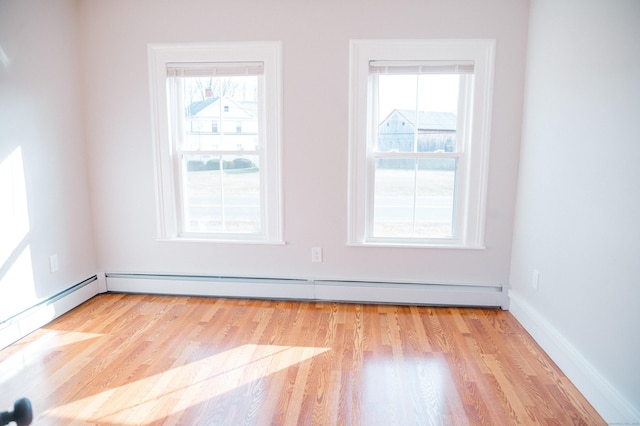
[(428, 120), (196, 107)]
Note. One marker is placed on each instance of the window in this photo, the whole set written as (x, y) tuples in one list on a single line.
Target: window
[(216, 112), (419, 141)]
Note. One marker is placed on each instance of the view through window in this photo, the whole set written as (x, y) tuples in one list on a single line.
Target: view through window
[(217, 131), (416, 153)]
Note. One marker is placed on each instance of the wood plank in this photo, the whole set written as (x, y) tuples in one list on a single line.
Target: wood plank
[(140, 359)]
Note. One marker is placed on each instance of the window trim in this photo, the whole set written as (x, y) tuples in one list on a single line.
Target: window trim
[(474, 186), (160, 56)]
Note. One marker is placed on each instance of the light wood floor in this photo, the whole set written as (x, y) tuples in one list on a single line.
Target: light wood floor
[(138, 360)]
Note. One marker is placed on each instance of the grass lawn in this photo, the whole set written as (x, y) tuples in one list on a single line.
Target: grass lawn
[(400, 183), (389, 182), (207, 182), (394, 186)]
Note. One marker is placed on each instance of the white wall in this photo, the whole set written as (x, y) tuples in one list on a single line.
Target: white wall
[(315, 37), (578, 196), (45, 206)]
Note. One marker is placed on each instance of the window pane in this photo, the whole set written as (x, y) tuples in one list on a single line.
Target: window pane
[(394, 198), (437, 112), (221, 113), (221, 194), (417, 113), (396, 113), (414, 198)]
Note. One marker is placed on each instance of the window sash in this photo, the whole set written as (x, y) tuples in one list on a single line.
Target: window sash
[(459, 208), (413, 201), (465, 94), (177, 107), (220, 199), (376, 68)]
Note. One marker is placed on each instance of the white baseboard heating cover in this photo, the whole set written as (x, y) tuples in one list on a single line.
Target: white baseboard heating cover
[(482, 295), (43, 312)]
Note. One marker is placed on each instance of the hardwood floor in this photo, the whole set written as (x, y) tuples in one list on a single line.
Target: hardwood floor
[(139, 359)]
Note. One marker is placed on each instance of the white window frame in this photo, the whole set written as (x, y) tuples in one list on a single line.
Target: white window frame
[(471, 188), (168, 198)]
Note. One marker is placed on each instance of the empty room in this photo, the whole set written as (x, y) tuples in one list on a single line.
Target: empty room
[(303, 212)]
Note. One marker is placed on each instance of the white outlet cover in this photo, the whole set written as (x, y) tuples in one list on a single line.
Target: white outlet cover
[(53, 263), (316, 254), (535, 280)]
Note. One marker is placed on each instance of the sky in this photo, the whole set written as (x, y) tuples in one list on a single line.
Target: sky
[(435, 93)]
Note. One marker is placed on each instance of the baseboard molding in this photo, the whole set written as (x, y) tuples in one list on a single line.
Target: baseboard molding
[(308, 289), (185, 285), (20, 325), (410, 293), (610, 404)]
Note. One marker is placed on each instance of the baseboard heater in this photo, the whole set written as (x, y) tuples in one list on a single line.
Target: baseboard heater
[(480, 295), (44, 311)]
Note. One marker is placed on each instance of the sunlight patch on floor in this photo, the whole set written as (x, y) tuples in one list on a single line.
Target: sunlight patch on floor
[(155, 397), (29, 352)]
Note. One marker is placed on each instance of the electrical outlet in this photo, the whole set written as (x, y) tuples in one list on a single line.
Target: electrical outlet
[(53, 263), (316, 254), (535, 279)]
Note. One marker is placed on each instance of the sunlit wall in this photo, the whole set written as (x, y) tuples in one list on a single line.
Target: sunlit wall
[(44, 208)]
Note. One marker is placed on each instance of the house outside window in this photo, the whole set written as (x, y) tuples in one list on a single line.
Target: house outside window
[(419, 142), (217, 141)]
